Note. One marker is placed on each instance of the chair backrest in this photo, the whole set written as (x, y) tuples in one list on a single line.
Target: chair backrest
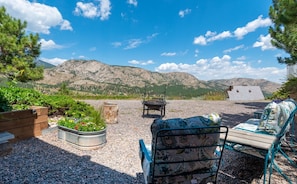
[(186, 150), (291, 111), (277, 117)]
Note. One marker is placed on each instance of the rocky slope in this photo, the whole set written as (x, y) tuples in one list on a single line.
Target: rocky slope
[(93, 73)]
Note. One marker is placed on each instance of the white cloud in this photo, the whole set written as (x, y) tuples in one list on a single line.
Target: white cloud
[(65, 25), (196, 53), (133, 2), (201, 61), (167, 67), (225, 68), (134, 62), (200, 40), (233, 49), (105, 9), (116, 44), (252, 26), (238, 33), (49, 45), (264, 43), (90, 10), (138, 62), (241, 58), (182, 13), (210, 33), (149, 62), (36, 15), (54, 61), (210, 37), (221, 36), (226, 58), (135, 42), (168, 54), (150, 37)]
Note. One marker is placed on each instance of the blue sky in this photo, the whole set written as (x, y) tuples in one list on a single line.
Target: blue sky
[(210, 39)]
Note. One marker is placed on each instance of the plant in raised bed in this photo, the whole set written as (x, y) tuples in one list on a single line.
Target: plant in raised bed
[(94, 122), (83, 133)]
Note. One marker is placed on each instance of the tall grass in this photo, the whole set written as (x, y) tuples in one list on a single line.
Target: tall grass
[(218, 95)]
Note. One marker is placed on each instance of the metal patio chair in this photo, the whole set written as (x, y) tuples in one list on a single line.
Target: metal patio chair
[(266, 142), (183, 151)]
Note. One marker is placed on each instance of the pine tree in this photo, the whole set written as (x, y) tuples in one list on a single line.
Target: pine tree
[(283, 13), (18, 50)]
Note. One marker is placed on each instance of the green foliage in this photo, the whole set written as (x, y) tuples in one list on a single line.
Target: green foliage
[(64, 90), (94, 122), (16, 98), (65, 105), (78, 115), (97, 118), (18, 51), (215, 96), (174, 91), (67, 122), (289, 88), (284, 36), (284, 32), (4, 103)]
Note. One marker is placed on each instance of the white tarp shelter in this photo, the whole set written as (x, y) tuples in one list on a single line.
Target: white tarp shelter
[(249, 93)]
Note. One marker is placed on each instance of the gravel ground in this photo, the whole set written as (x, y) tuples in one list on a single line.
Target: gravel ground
[(46, 159)]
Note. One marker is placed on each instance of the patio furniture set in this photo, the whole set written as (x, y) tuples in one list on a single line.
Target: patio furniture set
[(190, 150)]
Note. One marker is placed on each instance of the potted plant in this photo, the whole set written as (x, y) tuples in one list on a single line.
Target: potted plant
[(84, 133)]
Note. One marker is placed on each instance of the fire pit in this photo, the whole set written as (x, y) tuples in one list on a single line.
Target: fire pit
[(157, 104)]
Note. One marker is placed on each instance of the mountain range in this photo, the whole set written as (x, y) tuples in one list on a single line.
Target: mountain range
[(95, 76)]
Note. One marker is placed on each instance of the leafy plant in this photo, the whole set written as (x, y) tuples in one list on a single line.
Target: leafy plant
[(65, 105), (67, 122), (94, 122), (16, 98), (98, 118)]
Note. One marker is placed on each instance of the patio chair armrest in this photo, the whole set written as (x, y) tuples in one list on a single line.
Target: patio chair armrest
[(144, 153), (146, 159)]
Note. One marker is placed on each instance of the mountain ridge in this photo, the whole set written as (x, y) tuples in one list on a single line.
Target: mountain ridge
[(92, 73)]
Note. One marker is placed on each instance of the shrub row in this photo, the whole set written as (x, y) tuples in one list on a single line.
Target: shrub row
[(17, 98)]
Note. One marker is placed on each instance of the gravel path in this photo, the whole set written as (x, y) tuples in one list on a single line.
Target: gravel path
[(46, 159)]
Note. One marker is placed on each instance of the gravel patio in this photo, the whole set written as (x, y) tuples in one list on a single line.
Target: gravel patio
[(46, 159)]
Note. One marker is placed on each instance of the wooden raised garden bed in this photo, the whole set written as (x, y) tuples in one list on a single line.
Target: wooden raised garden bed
[(24, 124)]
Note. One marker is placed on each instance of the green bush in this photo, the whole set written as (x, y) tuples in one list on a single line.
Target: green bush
[(219, 95), (16, 98), (288, 88), (65, 105)]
